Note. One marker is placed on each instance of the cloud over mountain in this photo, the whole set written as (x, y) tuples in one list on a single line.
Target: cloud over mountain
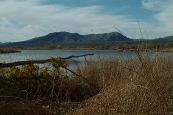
[(24, 19), (21, 20), (163, 14)]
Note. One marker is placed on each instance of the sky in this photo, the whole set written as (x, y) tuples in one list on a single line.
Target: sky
[(25, 19)]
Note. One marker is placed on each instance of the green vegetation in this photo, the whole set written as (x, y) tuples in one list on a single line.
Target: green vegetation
[(46, 86), (141, 85)]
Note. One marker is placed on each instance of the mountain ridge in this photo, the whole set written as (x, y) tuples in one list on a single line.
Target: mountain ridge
[(75, 40), (71, 38), (168, 38)]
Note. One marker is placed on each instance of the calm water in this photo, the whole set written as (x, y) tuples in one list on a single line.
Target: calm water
[(45, 54)]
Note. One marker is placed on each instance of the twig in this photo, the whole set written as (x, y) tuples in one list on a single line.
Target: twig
[(12, 97), (83, 78)]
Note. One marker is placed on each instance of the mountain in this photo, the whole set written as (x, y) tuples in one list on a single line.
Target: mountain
[(1, 43), (73, 38), (168, 38)]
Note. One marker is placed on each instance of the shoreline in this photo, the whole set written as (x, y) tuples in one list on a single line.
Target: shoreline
[(7, 51), (92, 49), (11, 50)]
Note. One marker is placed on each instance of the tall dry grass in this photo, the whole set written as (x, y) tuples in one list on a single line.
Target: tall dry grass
[(139, 86)]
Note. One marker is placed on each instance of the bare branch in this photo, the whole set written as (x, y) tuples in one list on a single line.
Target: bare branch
[(19, 63)]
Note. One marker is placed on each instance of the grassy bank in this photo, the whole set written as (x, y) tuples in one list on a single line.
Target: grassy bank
[(135, 45), (8, 50), (138, 86)]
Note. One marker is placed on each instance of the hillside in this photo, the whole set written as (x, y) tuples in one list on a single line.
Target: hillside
[(168, 38), (113, 40), (73, 38)]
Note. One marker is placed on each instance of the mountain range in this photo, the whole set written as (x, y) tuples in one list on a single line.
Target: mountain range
[(168, 38), (73, 38)]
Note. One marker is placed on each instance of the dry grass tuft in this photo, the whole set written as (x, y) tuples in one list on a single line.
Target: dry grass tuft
[(138, 86), (134, 86)]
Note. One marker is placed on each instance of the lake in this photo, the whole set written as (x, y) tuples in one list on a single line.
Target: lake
[(45, 54)]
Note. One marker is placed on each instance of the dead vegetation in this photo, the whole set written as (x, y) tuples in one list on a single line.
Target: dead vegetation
[(138, 86), (8, 50), (134, 86)]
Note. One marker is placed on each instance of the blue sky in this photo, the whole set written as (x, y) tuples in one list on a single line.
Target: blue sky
[(127, 7), (25, 19)]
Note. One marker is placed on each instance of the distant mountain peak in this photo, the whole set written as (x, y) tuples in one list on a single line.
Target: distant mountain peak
[(71, 38), (166, 38)]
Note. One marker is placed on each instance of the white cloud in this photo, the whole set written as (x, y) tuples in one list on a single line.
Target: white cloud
[(152, 4), (21, 20), (25, 19), (163, 15)]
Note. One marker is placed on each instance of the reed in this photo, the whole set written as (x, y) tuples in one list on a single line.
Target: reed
[(138, 86)]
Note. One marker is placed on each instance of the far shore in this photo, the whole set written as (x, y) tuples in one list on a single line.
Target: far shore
[(132, 50), (11, 50), (8, 50)]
